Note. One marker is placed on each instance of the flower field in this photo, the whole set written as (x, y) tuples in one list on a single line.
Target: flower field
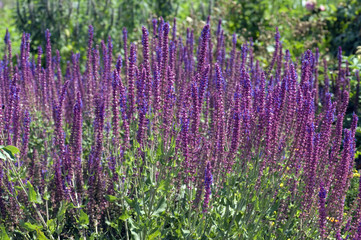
[(182, 136)]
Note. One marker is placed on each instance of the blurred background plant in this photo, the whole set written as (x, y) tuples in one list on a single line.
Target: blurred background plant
[(68, 20), (325, 24), (7, 22), (345, 27)]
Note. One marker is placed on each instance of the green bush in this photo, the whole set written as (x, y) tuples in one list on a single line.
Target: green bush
[(344, 27)]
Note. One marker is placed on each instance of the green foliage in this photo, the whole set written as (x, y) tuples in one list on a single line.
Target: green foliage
[(301, 29), (7, 22), (246, 17), (8, 152), (344, 27), (3, 233), (68, 21), (243, 208), (34, 197)]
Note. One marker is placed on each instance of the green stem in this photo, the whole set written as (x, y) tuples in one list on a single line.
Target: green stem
[(124, 209), (190, 207), (33, 204)]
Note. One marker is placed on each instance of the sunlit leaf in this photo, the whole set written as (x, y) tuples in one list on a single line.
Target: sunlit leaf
[(84, 218)]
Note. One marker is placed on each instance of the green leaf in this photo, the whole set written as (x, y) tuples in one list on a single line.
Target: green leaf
[(160, 147), (31, 227), (4, 154), (12, 149), (3, 234), (112, 224), (46, 195), (31, 192), (149, 180), (84, 218), (62, 210), (51, 223), (129, 201), (33, 196), (162, 185), (135, 235), (133, 227), (161, 207), (124, 216), (111, 198), (154, 235), (185, 231), (40, 235)]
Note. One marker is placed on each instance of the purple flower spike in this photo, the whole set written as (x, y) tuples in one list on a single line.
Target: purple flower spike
[(208, 179), (26, 127), (76, 144), (7, 37), (131, 79), (142, 106), (148, 79), (156, 89), (322, 210), (125, 47), (164, 54), (154, 22), (16, 112), (49, 67), (277, 39), (203, 49), (174, 29), (168, 104), (115, 110)]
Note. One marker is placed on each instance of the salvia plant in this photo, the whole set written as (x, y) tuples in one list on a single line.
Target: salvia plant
[(179, 138)]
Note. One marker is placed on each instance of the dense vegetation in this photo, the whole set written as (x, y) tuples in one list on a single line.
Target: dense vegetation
[(224, 127), (176, 139)]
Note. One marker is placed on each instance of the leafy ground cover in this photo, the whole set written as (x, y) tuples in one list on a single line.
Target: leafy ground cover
[(181, 137)]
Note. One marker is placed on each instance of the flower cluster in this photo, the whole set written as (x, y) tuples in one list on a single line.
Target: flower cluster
[(195, 114)]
